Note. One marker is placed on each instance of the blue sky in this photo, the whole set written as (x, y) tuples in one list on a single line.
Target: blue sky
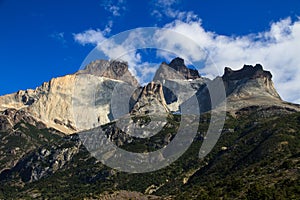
[(40, 38)]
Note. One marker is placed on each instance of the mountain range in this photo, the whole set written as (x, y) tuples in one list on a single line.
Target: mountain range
[(53, 103), (44, 157)]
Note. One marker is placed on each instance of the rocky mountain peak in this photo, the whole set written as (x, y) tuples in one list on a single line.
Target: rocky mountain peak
[(248, 71), (113, 69), (251, 85), (176, 62), (62, 102), (176, 69), (178, 65)]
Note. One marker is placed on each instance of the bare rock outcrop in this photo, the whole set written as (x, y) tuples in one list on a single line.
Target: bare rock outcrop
[(11, 116), (151, 100), (113, 69), (176, 69), (249, 81)]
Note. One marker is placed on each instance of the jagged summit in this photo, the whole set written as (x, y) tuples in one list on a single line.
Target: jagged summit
[(178, 65), (252, 86), (176, 69), (113, 69), (179, 82), (248, 71), (250, 81)]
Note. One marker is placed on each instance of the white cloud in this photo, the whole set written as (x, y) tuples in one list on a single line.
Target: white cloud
[(57, 35), (145, 71), (114, 10), (163, 8), (108, 27), (90, 37), (279, 30), (115, 7), (166, 3), (166, 8)]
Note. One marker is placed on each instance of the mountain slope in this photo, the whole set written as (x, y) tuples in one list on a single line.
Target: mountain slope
[(179, 82), (20, 134), (256, 157), (251, 85)]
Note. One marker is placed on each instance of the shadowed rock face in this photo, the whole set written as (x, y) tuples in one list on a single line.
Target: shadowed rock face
[(178, 65), (248, 71)]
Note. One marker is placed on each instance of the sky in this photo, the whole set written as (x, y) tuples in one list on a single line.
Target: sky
[(42, 39)]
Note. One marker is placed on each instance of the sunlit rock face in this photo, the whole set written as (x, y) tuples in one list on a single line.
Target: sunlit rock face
[(73, 102), (69, 104)]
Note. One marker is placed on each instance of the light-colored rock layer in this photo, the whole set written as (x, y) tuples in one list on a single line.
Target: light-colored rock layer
[(69, 103)]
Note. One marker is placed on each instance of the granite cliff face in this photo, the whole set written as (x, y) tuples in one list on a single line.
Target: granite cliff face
[(49, 103), (73, 102), (53, 103)]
